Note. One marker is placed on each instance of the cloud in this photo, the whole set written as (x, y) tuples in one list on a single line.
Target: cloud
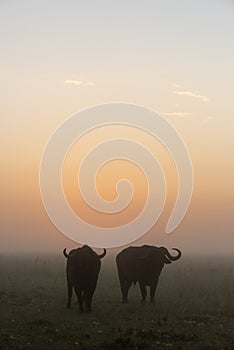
[(177, 86), (74, 82), (207, 119), (89, 83), (79, 82), (192, 94), (178, 114)]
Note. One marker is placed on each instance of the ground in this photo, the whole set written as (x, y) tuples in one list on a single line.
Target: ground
[(194, 307)]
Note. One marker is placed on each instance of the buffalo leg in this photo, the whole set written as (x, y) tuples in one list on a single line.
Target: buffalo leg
[(88, 296), (69, 294), (152, 290), (125, 285), (143, 291), (79, 298), (87, 301)]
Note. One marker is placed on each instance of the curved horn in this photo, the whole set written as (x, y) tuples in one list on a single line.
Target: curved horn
[(103, 254), (65, 253), (171, 257)]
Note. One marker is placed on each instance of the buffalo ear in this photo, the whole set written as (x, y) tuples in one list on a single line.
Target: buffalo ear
[(167, 261)]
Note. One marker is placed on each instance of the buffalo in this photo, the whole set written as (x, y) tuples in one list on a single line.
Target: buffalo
[(144, 265), (83, 266)]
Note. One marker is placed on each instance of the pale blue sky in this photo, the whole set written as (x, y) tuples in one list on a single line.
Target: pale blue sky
[(132, 51), (177, 40)]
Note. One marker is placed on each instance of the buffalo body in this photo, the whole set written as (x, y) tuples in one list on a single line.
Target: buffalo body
[(144, 265), (83, 266)]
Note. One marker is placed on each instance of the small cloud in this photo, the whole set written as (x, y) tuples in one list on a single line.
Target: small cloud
[(89, 83), (79, 82), (177, 86), (178, 114), (207, 119), (74, 82), (192, 94)]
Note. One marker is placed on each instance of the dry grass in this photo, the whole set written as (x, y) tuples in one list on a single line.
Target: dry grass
[(194, 308)]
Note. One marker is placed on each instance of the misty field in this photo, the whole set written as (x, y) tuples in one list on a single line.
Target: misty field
[(194, 307)]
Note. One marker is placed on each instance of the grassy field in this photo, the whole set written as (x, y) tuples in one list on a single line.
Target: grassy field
[(194, 307)]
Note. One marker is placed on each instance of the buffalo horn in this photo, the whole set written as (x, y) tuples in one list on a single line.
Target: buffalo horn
[(103, 254), (65, 253), (171, 257)]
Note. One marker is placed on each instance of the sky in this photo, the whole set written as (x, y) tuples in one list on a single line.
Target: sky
[(60, 57)]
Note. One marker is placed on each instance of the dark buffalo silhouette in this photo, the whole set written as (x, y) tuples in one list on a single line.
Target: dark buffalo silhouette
[(143, 264), (83, 266)]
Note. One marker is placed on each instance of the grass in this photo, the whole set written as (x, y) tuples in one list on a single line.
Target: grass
[(194, 308)]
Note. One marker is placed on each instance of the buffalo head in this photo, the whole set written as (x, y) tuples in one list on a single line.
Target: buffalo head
[(87, 248)]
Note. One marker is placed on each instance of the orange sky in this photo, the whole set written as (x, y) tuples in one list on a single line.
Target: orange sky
[(159, 58)]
